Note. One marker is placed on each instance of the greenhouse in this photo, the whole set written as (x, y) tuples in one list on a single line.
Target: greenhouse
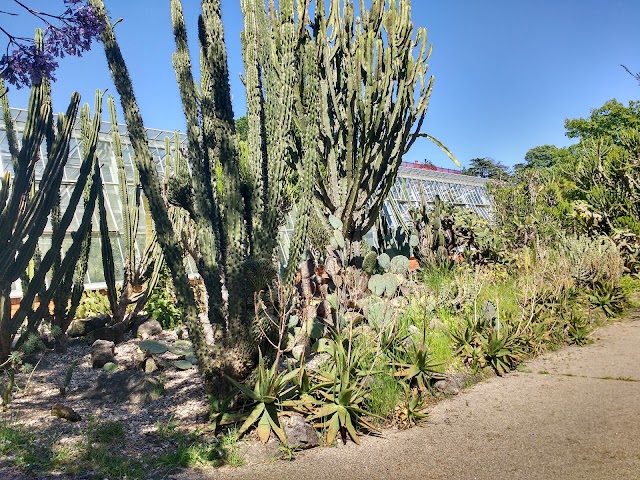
[(414, 180)]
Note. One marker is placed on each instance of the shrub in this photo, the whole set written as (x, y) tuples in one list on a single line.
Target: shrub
[(162, 308), (93, 303), (592, 260)]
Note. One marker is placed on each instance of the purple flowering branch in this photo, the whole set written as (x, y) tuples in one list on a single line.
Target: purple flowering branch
[(70, 33)]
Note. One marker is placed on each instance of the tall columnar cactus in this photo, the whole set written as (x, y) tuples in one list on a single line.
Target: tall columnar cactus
[(373, 98), (149, 179), (141, 272), (236, 217), (24, 212), (70, 288)]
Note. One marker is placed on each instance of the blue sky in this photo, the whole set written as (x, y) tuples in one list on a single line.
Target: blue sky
[(507, 72)]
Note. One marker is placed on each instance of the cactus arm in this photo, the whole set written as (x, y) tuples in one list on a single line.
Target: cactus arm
[(24, 162), (12, 139), (211, 34), (202, 143), (33, 221), (256, 138), (58, 236), (5, 182), (108, 264), (127, 227), (305, 97)]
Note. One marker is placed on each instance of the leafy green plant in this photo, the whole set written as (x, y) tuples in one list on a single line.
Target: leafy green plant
[(92, 304), (163, 309), (270, 390)]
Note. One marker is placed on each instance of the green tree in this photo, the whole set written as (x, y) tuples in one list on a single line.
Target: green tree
[(486, 167), (543, 156), (607, 121)]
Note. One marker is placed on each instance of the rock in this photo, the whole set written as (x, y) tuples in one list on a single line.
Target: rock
[(102, 351), (62, 411), (150, 365), (81, 327), (451, 385), (127, 386), (300, 435), (255, 453), (114, 333), (149, 329), (137, 321)]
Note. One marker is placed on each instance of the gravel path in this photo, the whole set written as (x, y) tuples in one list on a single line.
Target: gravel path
[(571, 414)]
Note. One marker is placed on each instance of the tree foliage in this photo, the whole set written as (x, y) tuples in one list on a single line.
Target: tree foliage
[(69, 33), (486, 167), (607, 121)]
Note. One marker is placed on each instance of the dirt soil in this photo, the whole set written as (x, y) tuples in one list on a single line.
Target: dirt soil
[(184, 400), (571, 414)]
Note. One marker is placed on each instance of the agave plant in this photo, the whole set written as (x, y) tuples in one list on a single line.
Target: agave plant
[(502, 350), (411, 410), (342, 393), (271, 389), (470, 343), (610, 298), (419, 367), (220, 413)]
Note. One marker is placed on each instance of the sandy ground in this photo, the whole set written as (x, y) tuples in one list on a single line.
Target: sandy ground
[(571, 414)]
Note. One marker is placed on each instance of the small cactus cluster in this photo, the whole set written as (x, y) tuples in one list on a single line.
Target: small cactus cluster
[(430, 236), (395, 242)]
